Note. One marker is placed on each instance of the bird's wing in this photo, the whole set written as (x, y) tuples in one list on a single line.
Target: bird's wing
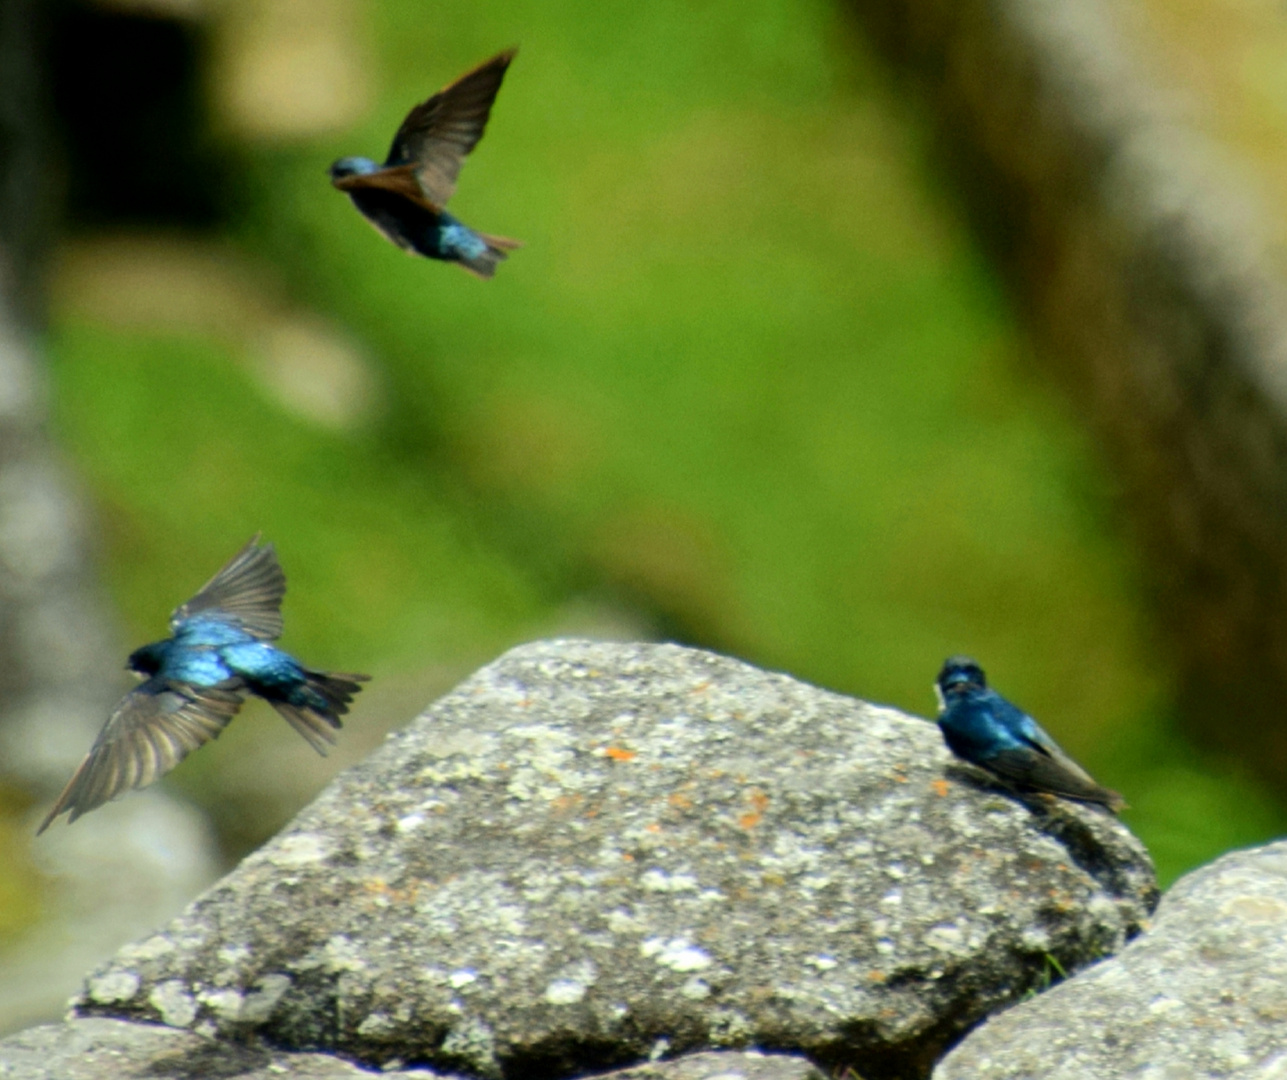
[(438, 134), (1043, 765), (155, 726), (248, 590)]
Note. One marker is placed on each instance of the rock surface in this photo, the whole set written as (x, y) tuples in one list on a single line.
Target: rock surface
[(591, 854), (98, 1049), (102, 1049), (1203, 994)]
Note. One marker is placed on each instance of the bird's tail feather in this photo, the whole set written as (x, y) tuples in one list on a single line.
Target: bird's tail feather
[(498, 247), (317, 706)]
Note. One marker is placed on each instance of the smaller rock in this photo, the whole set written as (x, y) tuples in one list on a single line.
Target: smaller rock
[(99, 1049), (723, 1065), (1203, 994)]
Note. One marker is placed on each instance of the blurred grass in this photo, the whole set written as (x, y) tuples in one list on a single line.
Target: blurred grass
[(750, 376)]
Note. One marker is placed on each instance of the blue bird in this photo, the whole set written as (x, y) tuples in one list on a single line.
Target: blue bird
[(198, 677), (982, 727), (405, 197)]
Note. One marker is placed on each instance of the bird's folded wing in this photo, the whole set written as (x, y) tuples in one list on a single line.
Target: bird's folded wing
[(249, 590), (155, 726), (438, 134)]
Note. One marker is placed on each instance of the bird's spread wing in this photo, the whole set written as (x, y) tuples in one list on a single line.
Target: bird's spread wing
[(248, 590), (438, 134), (155, 726)]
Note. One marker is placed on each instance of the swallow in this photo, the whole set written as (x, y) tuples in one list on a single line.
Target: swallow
[(985, 729), (405, 197), (195, 680)]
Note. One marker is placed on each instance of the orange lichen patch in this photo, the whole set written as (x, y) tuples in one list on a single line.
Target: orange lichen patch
[(939, 787), (653, 827), (384, 893), (876, 976), (749, 821), (679, 800), (627, 857), (565, 802), (620, 753), (759, 800)]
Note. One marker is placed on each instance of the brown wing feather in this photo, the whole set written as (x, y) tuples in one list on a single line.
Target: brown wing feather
[(1055, 773), (400, 179), (248, 589), (438, 134), (155, 726)]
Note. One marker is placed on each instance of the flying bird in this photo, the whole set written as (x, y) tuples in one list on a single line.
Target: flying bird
[(985, 729), (405, 197), (218, 652)]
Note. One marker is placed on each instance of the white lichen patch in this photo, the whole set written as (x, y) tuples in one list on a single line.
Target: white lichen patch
[(171, 999), (259, 1003), (572, 983), (233, 955), (225, 1004), (299, 849), (695, 989), (678, 954), (657, 880), (565, 992), (155, 947), (946, 937), (462, 978), (114, 987), (376, 1025)]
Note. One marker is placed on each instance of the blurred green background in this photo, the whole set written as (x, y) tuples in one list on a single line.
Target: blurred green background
[(751, 385)]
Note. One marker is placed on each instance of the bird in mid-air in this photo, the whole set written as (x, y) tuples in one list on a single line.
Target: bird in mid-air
[(195, 680), (982, 727), (405, 197)]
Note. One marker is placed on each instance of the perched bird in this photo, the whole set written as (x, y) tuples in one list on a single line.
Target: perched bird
[(979, 725), (405, 197), (196, 680)]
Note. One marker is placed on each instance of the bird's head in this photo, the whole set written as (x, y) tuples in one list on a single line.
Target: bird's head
[(960, 675), (352, 166), (147, 659)]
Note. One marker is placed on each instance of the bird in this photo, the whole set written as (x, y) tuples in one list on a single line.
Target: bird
[(194, 681), (405, 197), (985, 729)]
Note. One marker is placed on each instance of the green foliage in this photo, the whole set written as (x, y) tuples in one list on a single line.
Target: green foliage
[(749, 376)]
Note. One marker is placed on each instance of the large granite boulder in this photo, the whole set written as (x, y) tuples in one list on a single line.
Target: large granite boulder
[(592, 854), (1203, 994)]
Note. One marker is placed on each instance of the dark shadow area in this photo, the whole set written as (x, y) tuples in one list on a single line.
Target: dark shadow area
[(132, 120)]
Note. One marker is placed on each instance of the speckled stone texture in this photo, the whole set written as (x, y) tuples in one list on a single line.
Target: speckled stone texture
[(1202, 994), (588, 855), (99, 1049)]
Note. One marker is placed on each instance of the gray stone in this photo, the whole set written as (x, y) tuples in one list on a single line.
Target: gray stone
[(593, 854), (100, 1049), (722, 1065), (1202, 994), (97, 1048)]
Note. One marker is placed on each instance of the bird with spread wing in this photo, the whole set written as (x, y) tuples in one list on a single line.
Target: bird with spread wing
[(218, 652), (405, 198)]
